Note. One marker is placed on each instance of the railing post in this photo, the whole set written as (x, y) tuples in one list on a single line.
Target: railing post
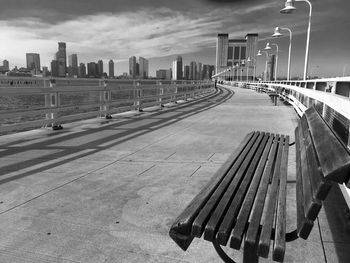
[(105, 97), (138, 95), (52, 101), (160, 93)]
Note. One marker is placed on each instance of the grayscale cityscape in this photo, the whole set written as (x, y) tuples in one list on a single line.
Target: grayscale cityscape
[(174, 131)]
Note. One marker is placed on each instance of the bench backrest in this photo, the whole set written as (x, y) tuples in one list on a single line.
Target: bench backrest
[(320, 160)]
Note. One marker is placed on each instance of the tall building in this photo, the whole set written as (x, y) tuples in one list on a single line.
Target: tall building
[(100, 68), (45, 72), (92, 70), (5, 64), (143, 68), (168, 74), (161, 74), (187, 72), (193, 70), (235, 52), (61, 57), (111, 69), (132, 67), (82, 70), (177, 68), (73, 65), (199, 71), (33, 62), (54, 68)]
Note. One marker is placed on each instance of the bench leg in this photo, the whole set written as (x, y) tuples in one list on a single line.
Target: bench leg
[(250, 254), (222, 253)]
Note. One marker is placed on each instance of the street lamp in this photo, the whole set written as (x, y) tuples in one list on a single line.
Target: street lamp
[(277, 33), (249, 59), (289, 8), (267, 54), (268, 47)]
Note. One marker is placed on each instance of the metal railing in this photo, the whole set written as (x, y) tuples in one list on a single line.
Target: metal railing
[(36, 102)]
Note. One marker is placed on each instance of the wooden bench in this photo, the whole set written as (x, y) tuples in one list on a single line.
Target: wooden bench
[(245, 201)]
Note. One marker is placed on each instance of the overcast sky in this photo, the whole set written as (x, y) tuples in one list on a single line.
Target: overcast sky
[(159, 30)]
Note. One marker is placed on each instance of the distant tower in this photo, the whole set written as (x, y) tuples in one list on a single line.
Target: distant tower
[(82, 70), (111, 68), (193, 70), (221, 52), (33, 62), (73, 65), (252, 50), (54, 68), (187, 72), (132, 67), (143, 68), (61, 57), (177, 68), (200, 70), (92, 70), (5, 65), (100, 68), (45, 72), (270, 74)]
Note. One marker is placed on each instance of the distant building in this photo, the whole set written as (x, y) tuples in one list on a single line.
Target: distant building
[(137, 73), (169, 74), (186, 72), (193, 70), (199, 71), (61, 57), (21, 72), (5, 66), (161, 74), (177, 68), (143, 68), (55, 68), (33, 62), (234, 52), (270, 74), (92, 71), (73, 65), (111, 68), (45, 72), (82, 70), (99, 68), (132, 67)]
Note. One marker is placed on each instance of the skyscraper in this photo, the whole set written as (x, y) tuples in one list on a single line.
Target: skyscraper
[(61, 57), (187, 72), (5, 65), (111, 68), (270, 74), (54, 68), (193, 70), (177, 68), (161, 74), (199, 70), (132, 67), (33, 62), (92, 70), (143, 68), (82, 70), (234, 52), (100, 68), (73, 65)]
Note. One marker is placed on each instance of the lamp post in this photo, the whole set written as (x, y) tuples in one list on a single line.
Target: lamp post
[(268, 47), (267, 54), (277, 33), (289, 8), (249, 59)]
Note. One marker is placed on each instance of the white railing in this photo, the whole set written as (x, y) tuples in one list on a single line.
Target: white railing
[(330, 96), (37, 102)]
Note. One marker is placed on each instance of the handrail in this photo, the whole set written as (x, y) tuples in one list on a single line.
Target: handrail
[(37, 102)]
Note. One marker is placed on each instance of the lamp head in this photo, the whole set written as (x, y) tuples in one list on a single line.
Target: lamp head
[(259, 53), (277, 32), (268, 47), (288, 7), (249, 59)]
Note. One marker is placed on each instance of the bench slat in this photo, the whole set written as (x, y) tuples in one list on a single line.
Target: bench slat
[(239, 186), (304, 225), (279, 245), (259, 202), (243, 216), (180, 231), (265, 237), (335, 169), (203, 216), (312, 205)]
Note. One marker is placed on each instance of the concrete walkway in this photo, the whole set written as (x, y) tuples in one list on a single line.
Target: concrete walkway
[(101, 191)]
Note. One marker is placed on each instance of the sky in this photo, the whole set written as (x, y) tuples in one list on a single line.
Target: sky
[(160, 30)]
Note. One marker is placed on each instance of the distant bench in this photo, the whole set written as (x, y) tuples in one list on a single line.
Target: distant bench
[(245, 201)]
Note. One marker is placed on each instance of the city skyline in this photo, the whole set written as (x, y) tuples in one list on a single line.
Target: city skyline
[(160, 32)]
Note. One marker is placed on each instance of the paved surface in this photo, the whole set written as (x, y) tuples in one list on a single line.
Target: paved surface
[(101, 191)]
